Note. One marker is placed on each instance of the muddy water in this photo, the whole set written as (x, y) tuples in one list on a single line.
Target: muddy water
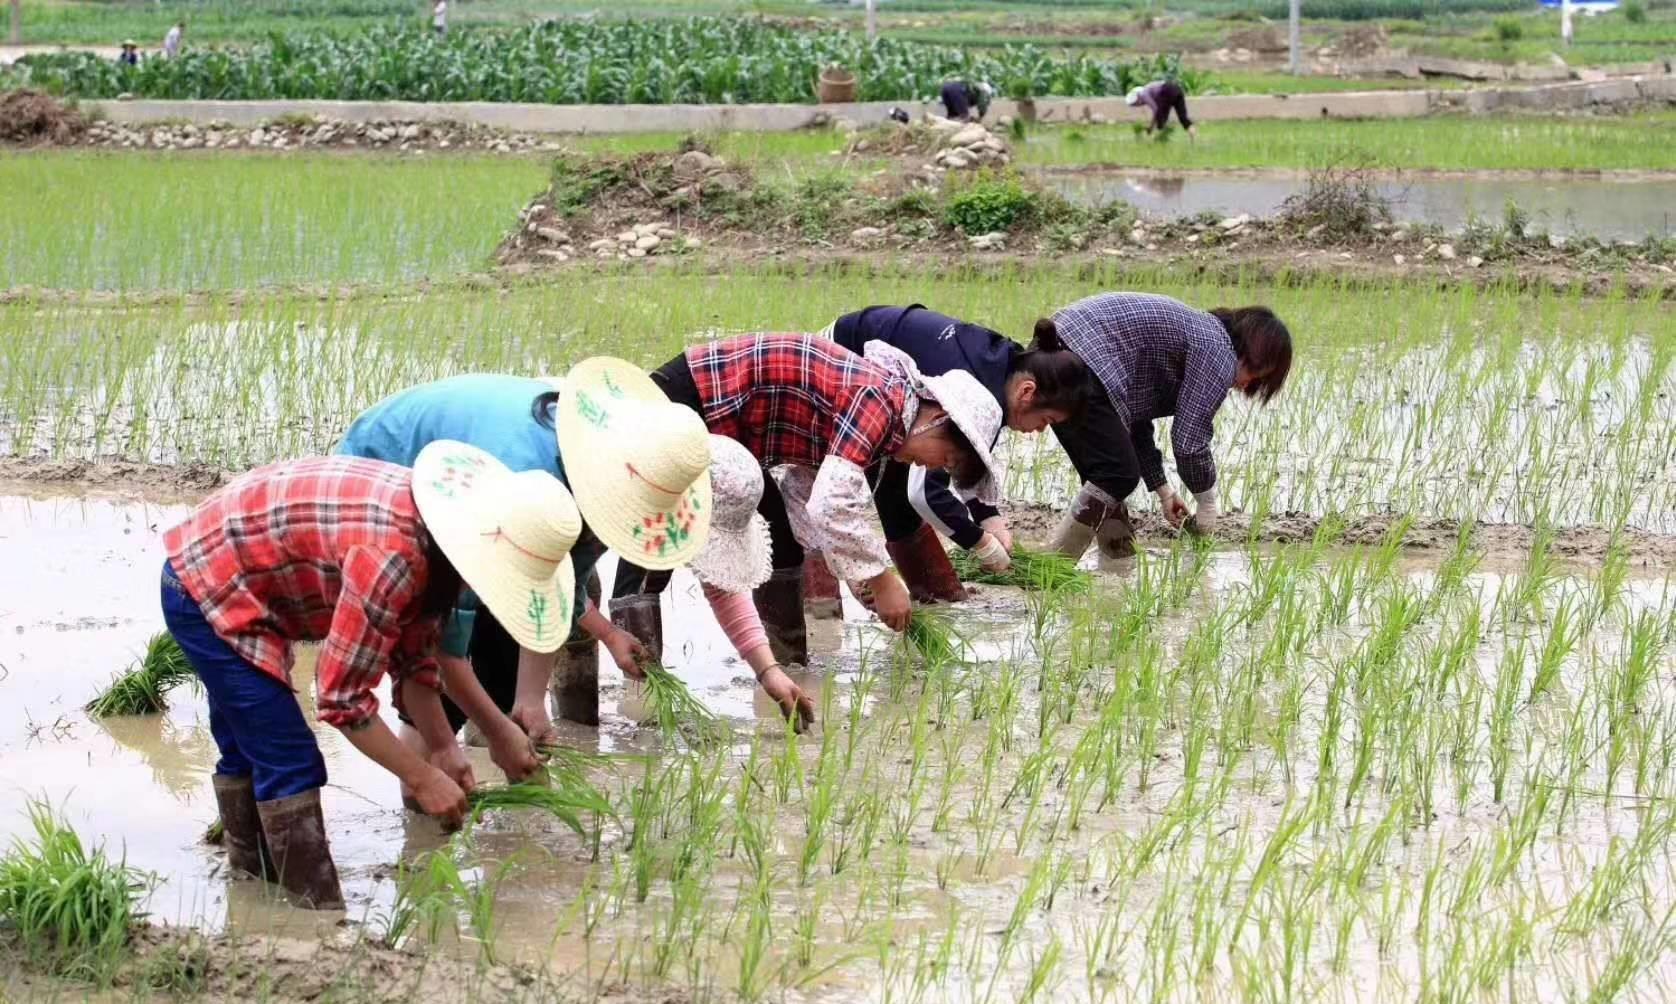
[(1599, 207)]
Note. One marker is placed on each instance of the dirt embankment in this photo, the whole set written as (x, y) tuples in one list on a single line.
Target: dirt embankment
[(186, 484)]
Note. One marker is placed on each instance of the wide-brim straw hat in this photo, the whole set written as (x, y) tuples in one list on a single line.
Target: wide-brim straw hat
[(508, 535), (739, 555), (972, 409), (638, 464)]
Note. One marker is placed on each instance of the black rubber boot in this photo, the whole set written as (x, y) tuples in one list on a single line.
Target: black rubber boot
[(780, 605), (296, 834), (641, 615), (241, 826)]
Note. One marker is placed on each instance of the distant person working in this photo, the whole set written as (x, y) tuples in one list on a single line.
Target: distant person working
[(130, 53), (171, 41), (1162, 96), (961, 98), (439, 18)]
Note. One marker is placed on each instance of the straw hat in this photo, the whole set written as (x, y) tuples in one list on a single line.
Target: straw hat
[(638, 464), (972, 409), (509, 536), (737, 558)]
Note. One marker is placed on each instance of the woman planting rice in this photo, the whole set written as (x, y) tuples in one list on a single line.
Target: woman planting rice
[(368, 558), (1035, 387), (513, 419), (828, 414), (1157, 357)]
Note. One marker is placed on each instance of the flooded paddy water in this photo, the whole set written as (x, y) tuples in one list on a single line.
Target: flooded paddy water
[(1313, 772)]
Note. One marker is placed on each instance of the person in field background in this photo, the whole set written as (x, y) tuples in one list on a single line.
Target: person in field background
[(964, 100), (172, 40), (1160, 98)]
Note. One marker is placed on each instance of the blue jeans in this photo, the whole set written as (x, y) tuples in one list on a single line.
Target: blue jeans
[(254, 718)]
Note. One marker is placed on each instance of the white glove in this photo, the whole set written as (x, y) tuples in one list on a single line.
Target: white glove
[(1204, 516), (997, 525), (991, 555)]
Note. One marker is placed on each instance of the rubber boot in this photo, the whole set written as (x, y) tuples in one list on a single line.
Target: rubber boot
[(820, 588), (1077, 527), (780, 605), (641, 615), (575, 686), (925, 567), (1116, 535), (241, 826), (296, 834)]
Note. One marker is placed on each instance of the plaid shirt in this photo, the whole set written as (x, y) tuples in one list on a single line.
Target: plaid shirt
[(794, 399), (1157, 357), (330, 548)]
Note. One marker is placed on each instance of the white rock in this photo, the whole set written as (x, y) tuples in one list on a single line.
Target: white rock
[(642, 229), (1556, 242), (993, 241), (957, 159), (1399, 259), (667, 233), (1475, 262), (552, 235), (1233, 223), (627, 237), (410, 132), (603, 244), (552, 255), (1315, 231), (866, 233), (258, 136), (973, 133), (694, 242), (1446, 252), (637, 252), (648, 242)]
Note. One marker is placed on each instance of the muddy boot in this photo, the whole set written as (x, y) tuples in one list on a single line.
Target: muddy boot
[(641, 615), (925, 567), (1116, 535), (241, 826), (1077, 527), (780, 605), (302, 859), (820, 588), (575, 686)]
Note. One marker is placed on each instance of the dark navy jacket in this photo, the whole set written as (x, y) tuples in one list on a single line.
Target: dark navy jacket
[(938, 344)]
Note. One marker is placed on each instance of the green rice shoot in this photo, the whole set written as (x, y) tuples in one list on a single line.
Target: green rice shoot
[(1038, 571), (931, 633), (141, 690), (678, 712), (567, 800)]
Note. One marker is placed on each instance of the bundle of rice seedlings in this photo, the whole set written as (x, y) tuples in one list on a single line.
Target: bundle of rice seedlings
[(567, 801), (932, 634), (678, 712), (214, 833), (1045, 571), (140, 690)]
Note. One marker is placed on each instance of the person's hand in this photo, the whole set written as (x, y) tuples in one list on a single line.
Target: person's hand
[(451, 760), (991, 554), (511, 750), (439, 796), (1170, 504), (536, 723), (797, 706), (997, 527), (627, 652), (891, 601), (1205, 515)]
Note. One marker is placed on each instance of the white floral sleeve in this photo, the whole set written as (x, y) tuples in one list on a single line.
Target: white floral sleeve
[(841, 508), (796, 484)]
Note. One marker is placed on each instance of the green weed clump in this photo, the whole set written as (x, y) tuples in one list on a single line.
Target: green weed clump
[(72, 907), (1043, 571), (992, 202), (141, 690)]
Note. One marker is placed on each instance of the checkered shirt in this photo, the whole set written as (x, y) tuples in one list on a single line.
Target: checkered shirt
[(1157, 357), (329, 548), (794, 399)]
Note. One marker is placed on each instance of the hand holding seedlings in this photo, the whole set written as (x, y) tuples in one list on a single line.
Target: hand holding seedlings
[(451, 760), (890, 600), (627, 652), (997, 527), (1173, 509), (992, 554), (1204, 518), (797, 706), (513, 752), (439, 796)]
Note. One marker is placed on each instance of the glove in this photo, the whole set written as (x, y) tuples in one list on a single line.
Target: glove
[(997, 525), (991, 554), (1204, 516)]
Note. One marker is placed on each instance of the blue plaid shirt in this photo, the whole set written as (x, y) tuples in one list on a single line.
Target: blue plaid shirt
[(1157, 357)]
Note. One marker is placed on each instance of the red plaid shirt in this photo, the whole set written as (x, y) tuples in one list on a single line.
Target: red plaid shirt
[(793, 399), (330, 548)]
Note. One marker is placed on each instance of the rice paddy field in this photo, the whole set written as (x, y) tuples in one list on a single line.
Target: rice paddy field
[(1405, 730)]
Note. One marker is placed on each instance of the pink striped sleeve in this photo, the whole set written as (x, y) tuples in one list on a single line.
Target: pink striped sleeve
[(737, 614)]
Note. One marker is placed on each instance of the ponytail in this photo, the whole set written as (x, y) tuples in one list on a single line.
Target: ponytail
[(1063, 382)]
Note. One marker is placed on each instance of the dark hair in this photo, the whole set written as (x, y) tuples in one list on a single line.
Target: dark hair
[(968, 468), (1262, 343), (541, 408), (1063, 382), (442, 582)]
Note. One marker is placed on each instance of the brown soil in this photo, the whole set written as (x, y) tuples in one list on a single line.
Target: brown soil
[(1035, 523), (180, 963), (30, 117)]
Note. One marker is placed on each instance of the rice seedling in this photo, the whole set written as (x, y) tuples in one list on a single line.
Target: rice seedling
[(1034, 570), (564, 798), (73, 908), (932, 634), (141, 690), (678, 713)]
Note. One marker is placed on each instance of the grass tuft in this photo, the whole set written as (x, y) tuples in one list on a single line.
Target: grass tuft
[(140, 690)]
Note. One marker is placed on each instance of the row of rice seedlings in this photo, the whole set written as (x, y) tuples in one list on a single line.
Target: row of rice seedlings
[(1035, 570), (142, 689), (932, 634)]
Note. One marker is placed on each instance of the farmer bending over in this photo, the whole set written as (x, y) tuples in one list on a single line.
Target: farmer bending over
[(828, 415), (961, 99), (1035, 387), (1162, 97), (367, 558), (1156, 357)]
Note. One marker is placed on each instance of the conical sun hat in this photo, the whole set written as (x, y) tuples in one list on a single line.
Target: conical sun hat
[(509, 536), (739, 556), (972, 409), (638, 464)]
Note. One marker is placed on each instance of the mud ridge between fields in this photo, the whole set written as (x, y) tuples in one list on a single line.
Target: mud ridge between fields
[(164, 484)]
